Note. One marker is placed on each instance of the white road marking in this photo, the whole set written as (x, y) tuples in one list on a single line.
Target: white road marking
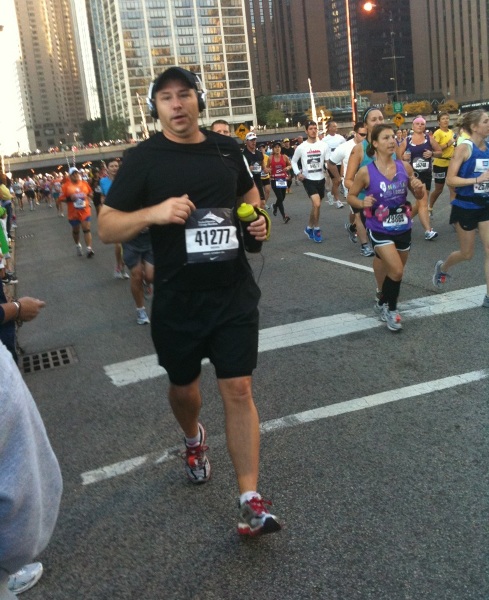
[(340, 262), (308, 416), (313, 330)]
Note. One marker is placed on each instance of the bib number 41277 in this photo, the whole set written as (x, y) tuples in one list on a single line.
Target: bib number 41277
[(210, 235)]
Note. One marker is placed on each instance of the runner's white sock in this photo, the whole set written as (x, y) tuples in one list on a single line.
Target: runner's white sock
[(248, 496)]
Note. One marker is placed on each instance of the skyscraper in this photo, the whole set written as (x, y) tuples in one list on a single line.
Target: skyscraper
[(381, 46), (55, 66), (288, 42), (137, 39), (450, 45)]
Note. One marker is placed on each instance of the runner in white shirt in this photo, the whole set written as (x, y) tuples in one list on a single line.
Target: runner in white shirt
[(340, 156), (332, 140), (311, 153)]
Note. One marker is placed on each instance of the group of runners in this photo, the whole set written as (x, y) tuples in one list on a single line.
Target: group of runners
[(205, 303)]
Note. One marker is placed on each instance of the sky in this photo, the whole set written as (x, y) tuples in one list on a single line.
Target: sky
[(12, 134)]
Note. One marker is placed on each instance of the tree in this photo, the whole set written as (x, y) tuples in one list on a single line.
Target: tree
[(117, 128), (275, 117), (93, 131), (264, 104), (449, 106)]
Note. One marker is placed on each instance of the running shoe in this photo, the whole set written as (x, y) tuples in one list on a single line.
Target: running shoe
[(197, 465), (430, 235), (439, 277), (309, 232), (317, 237), (90, 252), (352, 232), (125, 274), (118, 274), (339, 204), (378, 310), (287, 219), (255, 519), (485, 302), (330, 198), (367, 251), (274, 210), (12, 276), (142, 316), (8, 279), (25, 578), (79, 250), (392, 318)]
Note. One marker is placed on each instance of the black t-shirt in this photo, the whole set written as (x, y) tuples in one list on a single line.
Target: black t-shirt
[(212, 173), (255, 161)]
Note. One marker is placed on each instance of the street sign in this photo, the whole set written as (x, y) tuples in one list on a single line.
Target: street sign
[(241, 131), (397, 107), (398, 119)]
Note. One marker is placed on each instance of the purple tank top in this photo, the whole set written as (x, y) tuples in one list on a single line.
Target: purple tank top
[(391, 212), (419, 163)]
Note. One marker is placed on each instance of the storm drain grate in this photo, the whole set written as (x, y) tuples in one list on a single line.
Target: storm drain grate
[(52, 359), (24, 236)]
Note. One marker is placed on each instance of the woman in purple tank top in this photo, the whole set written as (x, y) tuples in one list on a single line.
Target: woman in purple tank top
[(387, 215)]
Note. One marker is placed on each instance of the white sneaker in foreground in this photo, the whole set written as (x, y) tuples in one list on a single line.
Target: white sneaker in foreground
[(255, 519), (25, 578), (142, 316)]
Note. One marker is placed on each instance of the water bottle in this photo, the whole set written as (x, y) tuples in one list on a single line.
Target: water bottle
[(246, 215)]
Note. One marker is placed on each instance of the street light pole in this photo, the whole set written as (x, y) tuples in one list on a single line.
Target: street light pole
[(350, 63)]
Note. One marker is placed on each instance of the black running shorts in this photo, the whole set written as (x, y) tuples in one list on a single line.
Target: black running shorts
[(469, 218), (220, 324), (313, 186), (402, 241)]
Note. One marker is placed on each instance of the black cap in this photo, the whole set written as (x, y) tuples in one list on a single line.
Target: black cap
[(176, 73)]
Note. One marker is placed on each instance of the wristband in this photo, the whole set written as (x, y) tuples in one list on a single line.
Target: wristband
[(268, 221), (19, 307)]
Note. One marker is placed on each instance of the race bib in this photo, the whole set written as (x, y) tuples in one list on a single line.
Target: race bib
[(314, 164), (79, 200), (256, 168), (421, 164), (210, 236), (280, 183), (397, 219), (481, 188)]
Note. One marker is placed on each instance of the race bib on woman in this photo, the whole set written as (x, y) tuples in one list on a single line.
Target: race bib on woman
[(210, 235)]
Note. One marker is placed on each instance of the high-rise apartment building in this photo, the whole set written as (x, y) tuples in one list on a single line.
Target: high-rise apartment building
[(138, 39), (54, 68), (450, 47)]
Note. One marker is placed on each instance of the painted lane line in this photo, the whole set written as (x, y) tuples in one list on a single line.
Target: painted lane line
[(339, 262), (312, 330), (308, 416)]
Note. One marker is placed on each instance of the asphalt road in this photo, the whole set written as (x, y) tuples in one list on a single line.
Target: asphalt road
[(386, 501)]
